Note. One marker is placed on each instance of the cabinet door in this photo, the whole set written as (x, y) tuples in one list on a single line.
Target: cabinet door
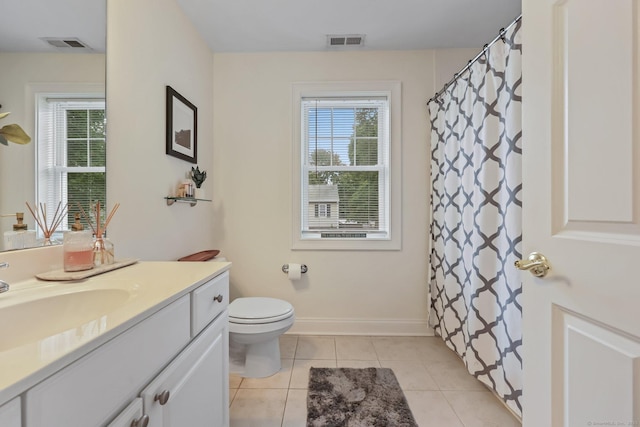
[(132, 416), (10, 414), (194, 389)]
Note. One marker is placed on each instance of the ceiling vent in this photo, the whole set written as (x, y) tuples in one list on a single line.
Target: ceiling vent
[(345, 40), (66, 43)]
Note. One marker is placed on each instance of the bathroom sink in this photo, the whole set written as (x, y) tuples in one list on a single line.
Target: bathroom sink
[(35, 319)]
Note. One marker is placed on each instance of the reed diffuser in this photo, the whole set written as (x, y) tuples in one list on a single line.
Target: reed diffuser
[(103, 250), (48, 228)]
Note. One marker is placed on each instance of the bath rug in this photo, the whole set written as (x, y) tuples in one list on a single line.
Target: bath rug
[(349, 397)]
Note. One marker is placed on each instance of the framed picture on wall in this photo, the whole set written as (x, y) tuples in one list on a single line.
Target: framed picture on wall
[(182, 127)]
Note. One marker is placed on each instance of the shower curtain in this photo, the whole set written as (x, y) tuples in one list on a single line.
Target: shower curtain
[(475, 230)]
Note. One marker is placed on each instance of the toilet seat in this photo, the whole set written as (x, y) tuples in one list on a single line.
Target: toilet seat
[(258, 310)]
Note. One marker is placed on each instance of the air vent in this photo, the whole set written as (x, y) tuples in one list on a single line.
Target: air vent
[(66, 43), (345, 40)]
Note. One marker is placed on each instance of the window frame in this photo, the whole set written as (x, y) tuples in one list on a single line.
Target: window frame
[(80, 93), (392, 91)]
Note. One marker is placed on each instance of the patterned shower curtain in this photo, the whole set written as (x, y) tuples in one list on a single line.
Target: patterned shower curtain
[(476, 219)]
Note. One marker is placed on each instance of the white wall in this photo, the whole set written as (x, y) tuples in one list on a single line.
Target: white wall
[(344, 291), (18, 72), (245, 137), (450, 61), (151, 44)]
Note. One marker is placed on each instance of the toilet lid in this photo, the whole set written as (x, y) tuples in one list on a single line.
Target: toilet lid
[(258, 310)]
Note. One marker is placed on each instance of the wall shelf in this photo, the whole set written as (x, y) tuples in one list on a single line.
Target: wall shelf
[(191, 200)]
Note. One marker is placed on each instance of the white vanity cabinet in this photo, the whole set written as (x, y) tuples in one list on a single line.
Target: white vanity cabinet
[(164, 352), (132, 416), (90, 390), (191, 391), (10, 414), (194, 389)]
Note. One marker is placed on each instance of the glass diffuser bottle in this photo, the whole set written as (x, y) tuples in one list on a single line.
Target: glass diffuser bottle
[(103, 251)]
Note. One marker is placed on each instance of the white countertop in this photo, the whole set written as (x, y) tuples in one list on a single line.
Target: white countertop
[(36, 342)]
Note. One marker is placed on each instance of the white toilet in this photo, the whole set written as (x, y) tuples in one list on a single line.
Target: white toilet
[(255, 325)]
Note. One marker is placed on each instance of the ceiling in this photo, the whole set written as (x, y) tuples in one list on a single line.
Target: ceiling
[(26, 21), (276, 25)]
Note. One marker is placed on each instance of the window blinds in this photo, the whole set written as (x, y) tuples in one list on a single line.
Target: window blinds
[(345, 167), (71, 153)]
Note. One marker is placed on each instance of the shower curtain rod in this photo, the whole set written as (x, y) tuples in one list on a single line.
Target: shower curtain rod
[(475, 58)]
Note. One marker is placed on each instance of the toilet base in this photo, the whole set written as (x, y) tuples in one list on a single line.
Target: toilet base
[(257, 360)]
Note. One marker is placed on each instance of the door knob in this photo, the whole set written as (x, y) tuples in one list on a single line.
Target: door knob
[(537, 264)]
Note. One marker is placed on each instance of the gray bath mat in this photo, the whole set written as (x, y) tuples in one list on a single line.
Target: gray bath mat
[(369, 397)]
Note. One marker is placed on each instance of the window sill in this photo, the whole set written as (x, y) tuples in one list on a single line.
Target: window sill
[(350, 244)]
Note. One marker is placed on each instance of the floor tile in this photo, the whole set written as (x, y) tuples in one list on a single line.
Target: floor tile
[(355, 348), (395, 348), (234, 380), (480, 409), (295, 411), (431, 409), (300, 373), (434, 379), (358, 364), (433, 349), (316, 348), (288, 345), (278, 380), (411, 374), (453, 375), (258, 408)]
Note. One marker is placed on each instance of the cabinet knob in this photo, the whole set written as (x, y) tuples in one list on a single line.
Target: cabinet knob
[(143, 421), (162, 398), (218, 298)]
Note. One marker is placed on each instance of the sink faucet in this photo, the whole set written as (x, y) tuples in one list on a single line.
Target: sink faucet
[(4, 286)]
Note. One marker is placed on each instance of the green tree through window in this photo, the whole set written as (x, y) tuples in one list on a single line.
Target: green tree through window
[(343, 150), (85, 149)]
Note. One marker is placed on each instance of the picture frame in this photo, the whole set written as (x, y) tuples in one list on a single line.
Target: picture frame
[(181, 127)]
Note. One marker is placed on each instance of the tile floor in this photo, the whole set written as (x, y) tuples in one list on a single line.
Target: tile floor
[(439, 390)]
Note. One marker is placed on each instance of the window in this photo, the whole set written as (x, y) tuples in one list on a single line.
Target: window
[(71, 153), (323, 210), (344, 145)]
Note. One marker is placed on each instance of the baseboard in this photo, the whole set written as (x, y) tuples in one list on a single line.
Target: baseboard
[(371, 327)]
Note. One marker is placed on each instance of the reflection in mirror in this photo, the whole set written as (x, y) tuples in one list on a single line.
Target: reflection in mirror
[(52, 52)]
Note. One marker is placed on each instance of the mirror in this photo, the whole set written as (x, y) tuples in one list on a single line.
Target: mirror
[(47, 46)]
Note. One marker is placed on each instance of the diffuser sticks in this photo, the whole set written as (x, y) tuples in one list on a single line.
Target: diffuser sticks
[(41, 219)]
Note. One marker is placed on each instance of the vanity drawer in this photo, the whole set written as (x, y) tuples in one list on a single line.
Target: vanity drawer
[(208, 301)]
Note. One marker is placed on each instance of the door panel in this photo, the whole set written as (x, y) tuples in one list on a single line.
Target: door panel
[(607, 377), (581, 323), (595, 169), (594, 74)]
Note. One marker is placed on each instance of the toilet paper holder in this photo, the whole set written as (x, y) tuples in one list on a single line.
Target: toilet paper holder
[(285, 268)]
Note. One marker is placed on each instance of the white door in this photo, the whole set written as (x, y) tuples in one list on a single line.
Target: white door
[(581, 175)]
